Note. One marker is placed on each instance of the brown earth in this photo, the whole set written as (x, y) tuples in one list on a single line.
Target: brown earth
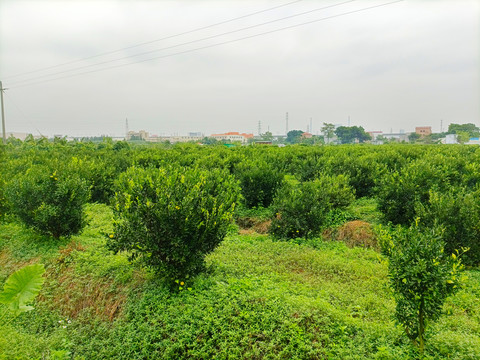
[(75, 294), (357, 233), (250, 225)]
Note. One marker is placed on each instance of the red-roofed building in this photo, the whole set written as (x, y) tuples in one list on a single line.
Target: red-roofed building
[(233, 136), (306, 135)]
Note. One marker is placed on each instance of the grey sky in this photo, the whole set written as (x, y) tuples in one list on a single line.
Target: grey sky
[(412, 63)]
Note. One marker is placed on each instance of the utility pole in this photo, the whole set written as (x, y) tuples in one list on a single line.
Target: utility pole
[(259, 127), (3, 114)]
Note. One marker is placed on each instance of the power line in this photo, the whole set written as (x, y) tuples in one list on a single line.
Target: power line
[(153, 41), (182, 44), (214, 45), (10, 99)]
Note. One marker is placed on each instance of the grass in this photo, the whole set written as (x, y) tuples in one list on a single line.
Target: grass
[(259, 299), (366, 209)]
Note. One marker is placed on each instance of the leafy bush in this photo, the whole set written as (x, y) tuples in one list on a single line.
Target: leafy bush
[(259, 182), (50, 203), (362, 171), (171, 218), (458, 213), (422, 275), (399, 191), (303, 209)]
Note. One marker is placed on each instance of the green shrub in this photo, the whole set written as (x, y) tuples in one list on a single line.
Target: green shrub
[(458, 213), (171, 218), (259, 182), (362, 170), (303, 209), (422, 275), (399, 191), (50, 203)]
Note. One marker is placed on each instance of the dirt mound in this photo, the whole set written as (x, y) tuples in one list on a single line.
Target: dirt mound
[(357, 233), (248, 225)]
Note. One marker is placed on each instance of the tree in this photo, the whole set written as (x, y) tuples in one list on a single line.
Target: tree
[(210, 141), (49, 202), (328, 131), (470, 129), (294, 136), (413, 137), (348, 134), (268, 136), (421, 276), (458, 212), (259, 182), (462, 137), (171, 218), (303, 209)]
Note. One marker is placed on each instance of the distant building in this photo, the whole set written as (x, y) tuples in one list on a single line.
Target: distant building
[(451, 139), (423, 130), (473, 141), (396, 136), (182, 139), (140, 135), (174, 138), (233, 136), (306, 135), (374, 135)]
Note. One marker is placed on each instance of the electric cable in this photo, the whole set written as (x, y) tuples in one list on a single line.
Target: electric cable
[(153, 41), (212, 45), (181, 44)]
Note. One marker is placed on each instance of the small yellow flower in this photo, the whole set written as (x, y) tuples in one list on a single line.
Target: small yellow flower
[(182, 283), (177, 207), (110, 236)]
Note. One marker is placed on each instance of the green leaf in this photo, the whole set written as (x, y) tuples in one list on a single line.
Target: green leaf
[(22, 287)]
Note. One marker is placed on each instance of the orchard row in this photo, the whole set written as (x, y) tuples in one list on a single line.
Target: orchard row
[(45, 184)]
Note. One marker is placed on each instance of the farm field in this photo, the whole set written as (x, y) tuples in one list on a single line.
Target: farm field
[(278, 286)]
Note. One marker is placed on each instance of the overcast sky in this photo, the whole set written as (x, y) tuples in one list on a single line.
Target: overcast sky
[(389, 68)]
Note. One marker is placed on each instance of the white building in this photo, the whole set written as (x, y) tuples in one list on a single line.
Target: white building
[(233, 136)]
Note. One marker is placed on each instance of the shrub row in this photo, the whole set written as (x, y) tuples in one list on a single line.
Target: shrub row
[(407, 181)]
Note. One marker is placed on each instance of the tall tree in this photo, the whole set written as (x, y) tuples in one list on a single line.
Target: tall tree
[(267, 136), (294, 136), (413, 137), (328, 131), (348, 134), (471, 129)]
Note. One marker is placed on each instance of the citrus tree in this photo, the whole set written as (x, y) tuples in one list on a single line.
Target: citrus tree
[(170, 218), (49, 202), (422, 275)]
